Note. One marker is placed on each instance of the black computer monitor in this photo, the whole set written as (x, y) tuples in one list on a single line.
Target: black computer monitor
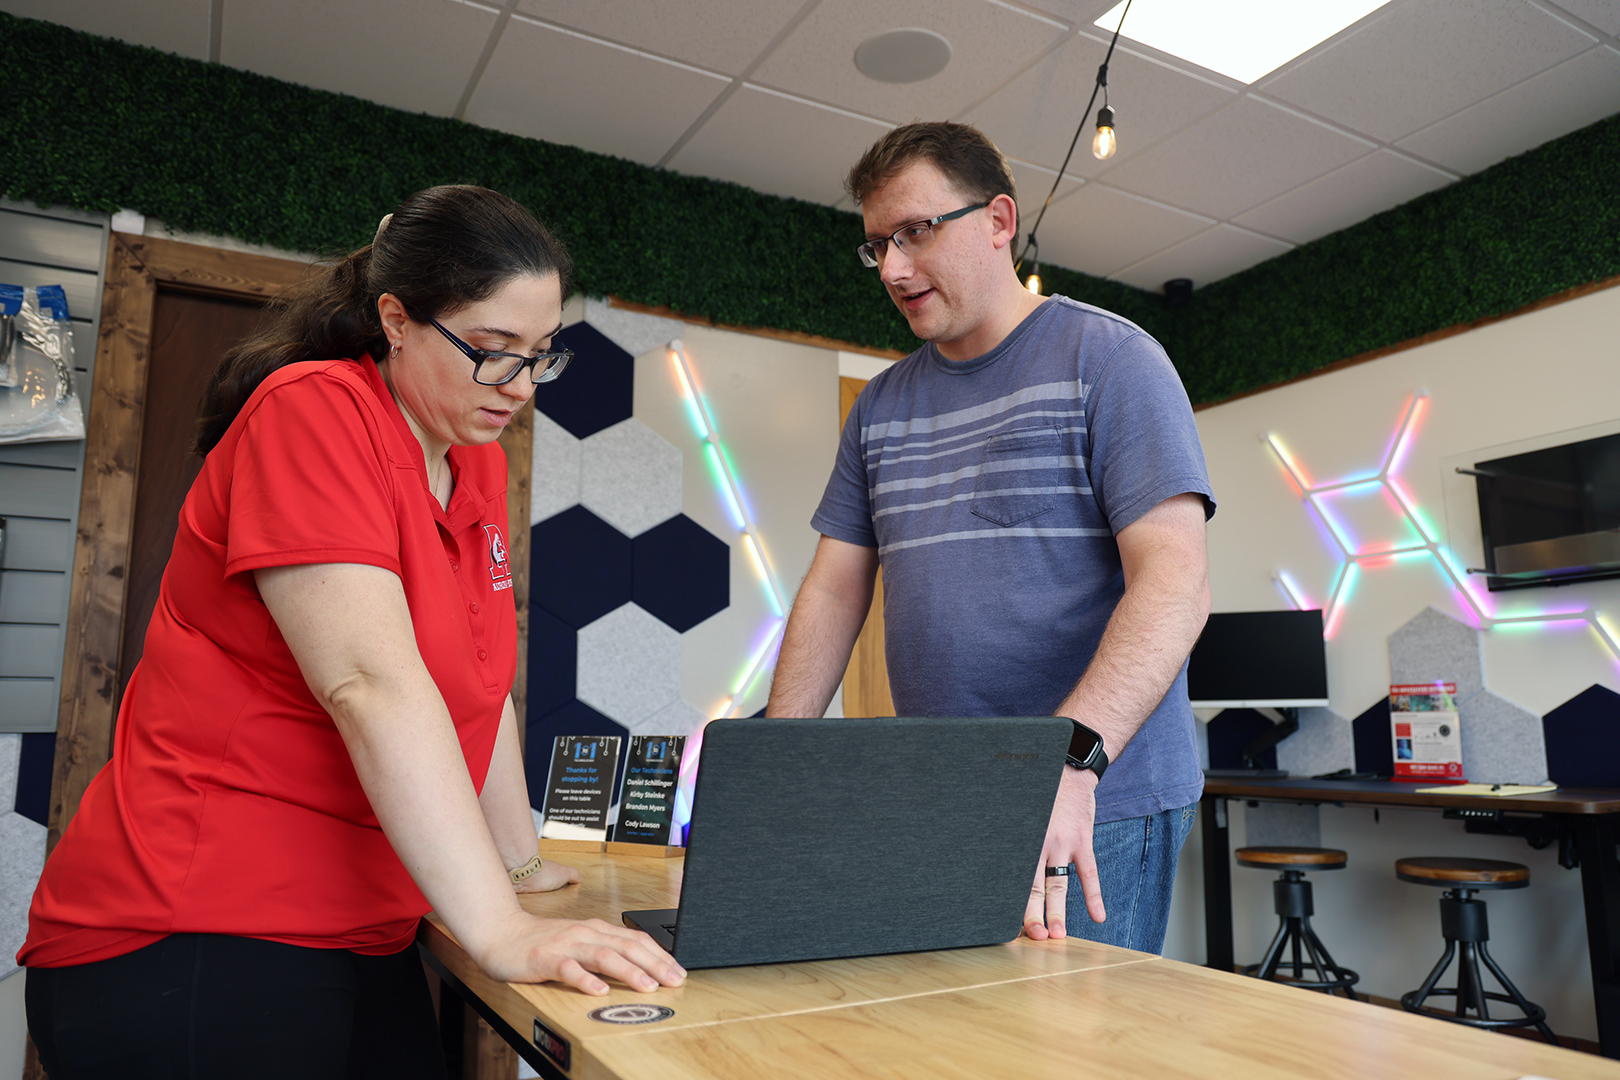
[(1259, 659)]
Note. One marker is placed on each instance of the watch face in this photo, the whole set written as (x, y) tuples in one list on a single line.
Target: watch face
[(1083, 744)]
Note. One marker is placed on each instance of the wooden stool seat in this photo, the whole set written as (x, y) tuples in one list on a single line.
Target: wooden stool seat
[(1448, 872), (1291, 858)]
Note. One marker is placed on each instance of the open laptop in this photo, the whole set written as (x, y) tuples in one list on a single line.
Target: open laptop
[(815, 839)]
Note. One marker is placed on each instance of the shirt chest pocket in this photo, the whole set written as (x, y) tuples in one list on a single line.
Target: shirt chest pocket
[(1020, 475)]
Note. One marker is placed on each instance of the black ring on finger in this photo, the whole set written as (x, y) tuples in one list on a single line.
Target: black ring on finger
[(1057, 871)]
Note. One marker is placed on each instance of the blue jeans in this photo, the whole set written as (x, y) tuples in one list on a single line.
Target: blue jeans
[(1136, 863)]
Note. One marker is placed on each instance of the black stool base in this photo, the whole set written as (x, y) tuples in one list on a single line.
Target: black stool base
[(1308, 956), (1463, 921)]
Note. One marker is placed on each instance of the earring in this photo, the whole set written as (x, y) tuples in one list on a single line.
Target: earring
[(393, 352)]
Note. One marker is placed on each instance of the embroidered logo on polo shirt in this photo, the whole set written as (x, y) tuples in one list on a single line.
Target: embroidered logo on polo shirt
[(499, 569)]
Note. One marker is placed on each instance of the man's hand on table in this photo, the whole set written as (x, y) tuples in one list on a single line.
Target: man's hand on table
[(1068, 840), (531, 949)]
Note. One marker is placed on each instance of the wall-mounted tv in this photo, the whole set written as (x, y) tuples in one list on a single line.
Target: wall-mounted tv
[(1259, 659), (1552, 516)]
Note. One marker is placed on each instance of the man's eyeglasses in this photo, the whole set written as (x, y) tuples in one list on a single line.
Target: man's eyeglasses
[(500, 368), (912, 238)]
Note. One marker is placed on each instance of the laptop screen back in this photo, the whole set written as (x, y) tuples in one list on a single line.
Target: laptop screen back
[(813, 839)]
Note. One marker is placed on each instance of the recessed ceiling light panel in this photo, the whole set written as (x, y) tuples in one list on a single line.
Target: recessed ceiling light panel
[(1241, 39), (903, 56)]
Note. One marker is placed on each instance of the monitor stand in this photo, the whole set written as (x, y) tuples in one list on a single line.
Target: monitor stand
[(1251, 753), (1246, 774)]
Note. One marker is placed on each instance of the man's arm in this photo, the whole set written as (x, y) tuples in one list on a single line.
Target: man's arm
[(1147, 639), (827, 617)]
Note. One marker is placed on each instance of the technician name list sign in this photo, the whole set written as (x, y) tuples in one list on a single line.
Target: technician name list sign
[(580, 789), (647, 804)]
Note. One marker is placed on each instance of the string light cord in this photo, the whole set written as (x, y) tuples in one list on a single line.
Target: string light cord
[(1100, 84)]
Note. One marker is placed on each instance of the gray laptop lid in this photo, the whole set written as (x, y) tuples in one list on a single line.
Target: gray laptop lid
[(814, 839)]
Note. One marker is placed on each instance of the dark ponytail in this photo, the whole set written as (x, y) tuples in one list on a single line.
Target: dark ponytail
[(444, 248)]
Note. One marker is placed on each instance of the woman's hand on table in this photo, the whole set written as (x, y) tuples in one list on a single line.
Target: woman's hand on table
[(577, 952), (549, 878)]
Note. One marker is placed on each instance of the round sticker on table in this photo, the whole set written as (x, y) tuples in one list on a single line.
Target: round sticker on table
[(631, 1014)]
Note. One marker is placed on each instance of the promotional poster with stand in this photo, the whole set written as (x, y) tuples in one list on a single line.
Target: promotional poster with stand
[(1428, 738), (652, 771), (579, 792)]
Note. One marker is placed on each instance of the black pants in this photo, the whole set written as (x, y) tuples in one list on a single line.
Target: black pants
[(205, 1006)]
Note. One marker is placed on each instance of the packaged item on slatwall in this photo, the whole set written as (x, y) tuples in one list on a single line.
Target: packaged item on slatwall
[(11, 298), (1428, 737), (41, 403)]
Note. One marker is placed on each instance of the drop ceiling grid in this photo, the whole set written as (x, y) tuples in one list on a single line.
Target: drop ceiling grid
[(1035, 115), (778, 145), (418, 59), (1101, 230), (634, 108), (1239, 157), (1211, 254), (1351, 193), (1389, 80), (1562, 99), (724, 35), (987, 40)]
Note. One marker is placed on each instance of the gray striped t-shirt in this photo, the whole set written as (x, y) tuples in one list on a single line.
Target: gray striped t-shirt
[(992, 490)]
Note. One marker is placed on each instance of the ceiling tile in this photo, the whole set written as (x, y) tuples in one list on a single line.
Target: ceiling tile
[(419, 58), (1033, 186), (778, 145), (1366, 186), (1570, 96), (1098, 230), (1241, 156), (988, 43), (1211, 255), (719, 34), (636, 106), (1422, 61), (1034, 116), (1603, 14), (177, 26)]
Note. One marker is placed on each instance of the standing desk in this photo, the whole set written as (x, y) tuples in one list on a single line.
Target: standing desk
[(1584, 822), (1028, 1009)]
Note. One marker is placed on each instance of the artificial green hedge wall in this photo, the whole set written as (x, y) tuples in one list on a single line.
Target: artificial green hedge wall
[(100, 125)]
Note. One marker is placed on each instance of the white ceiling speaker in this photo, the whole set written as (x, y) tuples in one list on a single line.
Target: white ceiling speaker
[(903, 56)]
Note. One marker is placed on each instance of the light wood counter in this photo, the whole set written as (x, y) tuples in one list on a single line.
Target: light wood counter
[(1028, 1009)]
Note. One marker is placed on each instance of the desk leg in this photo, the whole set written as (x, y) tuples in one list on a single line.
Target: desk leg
[(1217, 884), (1595, 839)]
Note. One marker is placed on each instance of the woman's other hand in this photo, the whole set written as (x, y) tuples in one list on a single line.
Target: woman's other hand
[(576, 953)]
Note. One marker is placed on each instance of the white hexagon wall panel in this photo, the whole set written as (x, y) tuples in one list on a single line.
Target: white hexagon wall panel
[(629, 665), (630, 477)]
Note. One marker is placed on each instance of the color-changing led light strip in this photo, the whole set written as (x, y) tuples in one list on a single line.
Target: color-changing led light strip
[(1352, 559), (738, 506)]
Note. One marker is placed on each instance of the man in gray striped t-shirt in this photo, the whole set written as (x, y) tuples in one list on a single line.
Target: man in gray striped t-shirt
[(1032, 485)]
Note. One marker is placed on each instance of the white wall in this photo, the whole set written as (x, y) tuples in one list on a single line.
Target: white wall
[(1542, 378)]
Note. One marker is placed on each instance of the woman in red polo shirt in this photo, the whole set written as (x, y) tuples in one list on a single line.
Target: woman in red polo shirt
[(319, 742)]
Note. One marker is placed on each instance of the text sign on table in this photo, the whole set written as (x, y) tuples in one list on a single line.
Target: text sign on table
[(647, 804), (580, 789)]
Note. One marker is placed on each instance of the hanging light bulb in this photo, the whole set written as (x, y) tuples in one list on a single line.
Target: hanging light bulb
[(1104, 145), (1033, 284)]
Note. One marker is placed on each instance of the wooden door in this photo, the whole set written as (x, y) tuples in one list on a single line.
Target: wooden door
[(866, 680)]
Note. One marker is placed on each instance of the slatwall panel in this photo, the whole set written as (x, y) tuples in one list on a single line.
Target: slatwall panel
[(39, 482)]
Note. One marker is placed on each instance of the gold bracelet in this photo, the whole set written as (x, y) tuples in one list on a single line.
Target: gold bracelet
[(528, 869)]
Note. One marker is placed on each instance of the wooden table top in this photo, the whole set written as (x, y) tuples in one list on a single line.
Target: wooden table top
[(1396, 793), (1035, 1009)]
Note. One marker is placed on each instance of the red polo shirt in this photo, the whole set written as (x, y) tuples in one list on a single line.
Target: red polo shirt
[(230, 805)]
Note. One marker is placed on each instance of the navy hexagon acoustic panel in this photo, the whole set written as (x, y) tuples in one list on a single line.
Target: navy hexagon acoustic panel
[(579, 567), (681, 572), (598, 389)]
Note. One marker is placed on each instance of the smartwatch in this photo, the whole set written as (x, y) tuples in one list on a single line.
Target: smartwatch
[(1086, 749)]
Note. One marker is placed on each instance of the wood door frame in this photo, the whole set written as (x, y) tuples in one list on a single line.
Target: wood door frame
[(866, 679), (138, 268)]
